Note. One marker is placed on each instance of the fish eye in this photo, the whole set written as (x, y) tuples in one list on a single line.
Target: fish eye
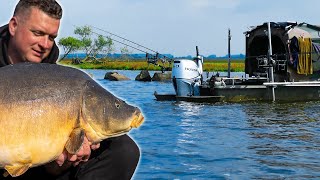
[(117, 105)]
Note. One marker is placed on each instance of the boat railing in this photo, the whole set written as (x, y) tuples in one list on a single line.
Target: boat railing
[(301, 83), (280, 64), (232, 80)]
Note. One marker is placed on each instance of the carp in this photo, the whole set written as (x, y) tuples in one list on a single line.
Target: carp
[(46, 108)]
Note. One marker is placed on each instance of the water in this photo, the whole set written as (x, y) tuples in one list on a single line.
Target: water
[(182, 140)]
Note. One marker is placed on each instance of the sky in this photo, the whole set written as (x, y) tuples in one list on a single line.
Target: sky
[(177, 26)]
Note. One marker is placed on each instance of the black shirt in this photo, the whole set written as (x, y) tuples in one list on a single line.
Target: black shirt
[(4, 39)]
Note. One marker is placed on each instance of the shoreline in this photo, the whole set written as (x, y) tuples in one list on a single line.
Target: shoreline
[(118, 64)]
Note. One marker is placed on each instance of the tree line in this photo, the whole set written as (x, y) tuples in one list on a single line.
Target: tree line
[(89, 43)]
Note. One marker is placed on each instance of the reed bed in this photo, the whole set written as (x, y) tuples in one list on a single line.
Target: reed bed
[(212, 65), (222, 65)]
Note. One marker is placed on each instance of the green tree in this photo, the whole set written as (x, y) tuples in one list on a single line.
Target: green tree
[(69, 45), (85, 34), (99, 45), (109, 48), (125, 53), (93, 47)]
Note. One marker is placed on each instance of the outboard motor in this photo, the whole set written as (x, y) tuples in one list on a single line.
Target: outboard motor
[(187, 76)]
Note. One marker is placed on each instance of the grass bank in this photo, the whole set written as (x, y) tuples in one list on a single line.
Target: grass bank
[(212, 65)]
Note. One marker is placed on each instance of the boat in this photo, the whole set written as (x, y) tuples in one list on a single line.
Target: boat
[(282, 64)]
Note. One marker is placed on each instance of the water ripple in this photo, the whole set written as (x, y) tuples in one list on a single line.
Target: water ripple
[(182, 140)]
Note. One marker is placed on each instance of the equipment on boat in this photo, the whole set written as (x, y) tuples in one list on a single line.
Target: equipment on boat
[(269, 75), (272, 61), (187, 76)]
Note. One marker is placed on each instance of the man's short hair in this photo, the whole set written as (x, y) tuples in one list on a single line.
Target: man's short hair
[(50, 7)]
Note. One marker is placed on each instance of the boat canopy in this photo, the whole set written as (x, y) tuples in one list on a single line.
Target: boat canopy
[(257, 45)]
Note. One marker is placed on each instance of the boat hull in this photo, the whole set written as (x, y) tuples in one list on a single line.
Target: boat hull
[(285, 92)]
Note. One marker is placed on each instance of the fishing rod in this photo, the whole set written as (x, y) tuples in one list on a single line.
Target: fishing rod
[(124, 39), (151, 60), (119, 42), (114, 39)]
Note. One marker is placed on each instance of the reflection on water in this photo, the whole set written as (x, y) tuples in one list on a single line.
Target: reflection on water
[(282, 113), (189, 134), (190, 109), (286, 137)]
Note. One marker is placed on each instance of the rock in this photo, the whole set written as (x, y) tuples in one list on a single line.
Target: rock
[(143, 76), (115, 76), (76, 61), (162, 76)]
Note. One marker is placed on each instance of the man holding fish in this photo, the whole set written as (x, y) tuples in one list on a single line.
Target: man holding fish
[(30, 37)]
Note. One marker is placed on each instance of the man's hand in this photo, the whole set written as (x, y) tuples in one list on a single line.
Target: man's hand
[(82, 155)]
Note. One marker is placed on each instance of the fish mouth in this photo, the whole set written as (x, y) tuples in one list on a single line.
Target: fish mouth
[(137, 120)]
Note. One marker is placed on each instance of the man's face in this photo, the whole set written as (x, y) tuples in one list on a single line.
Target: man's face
[(32, 37)]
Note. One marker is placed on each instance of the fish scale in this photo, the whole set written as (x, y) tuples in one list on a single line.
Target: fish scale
[(46, 108)]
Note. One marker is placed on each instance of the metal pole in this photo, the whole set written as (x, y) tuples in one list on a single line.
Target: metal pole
[(270, 63), (229, 53)]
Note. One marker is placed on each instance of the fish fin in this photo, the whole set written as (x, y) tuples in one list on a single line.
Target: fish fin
[(75, 141), (16, 170)]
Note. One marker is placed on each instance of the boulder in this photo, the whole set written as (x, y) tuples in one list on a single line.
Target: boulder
[(115, 76), (162, 76), (76, 61), (143, 76)]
